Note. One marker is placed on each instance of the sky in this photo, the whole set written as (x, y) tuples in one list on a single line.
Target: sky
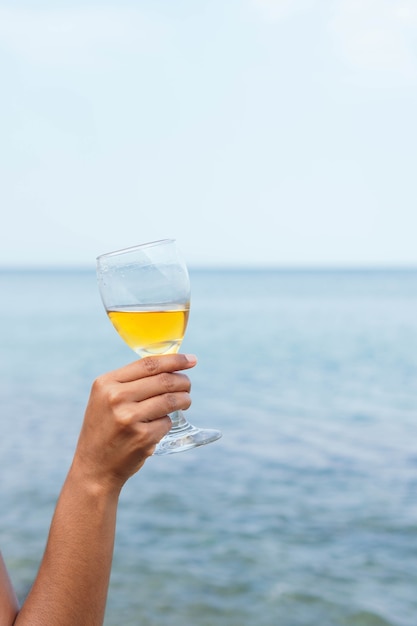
[(255, 132)]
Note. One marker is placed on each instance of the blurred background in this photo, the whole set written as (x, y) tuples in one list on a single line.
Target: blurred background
[(275, 140)]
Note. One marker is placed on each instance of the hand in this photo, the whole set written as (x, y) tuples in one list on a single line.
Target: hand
[(127, 415)]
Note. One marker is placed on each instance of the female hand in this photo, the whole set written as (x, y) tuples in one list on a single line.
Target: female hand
[(127, 415)]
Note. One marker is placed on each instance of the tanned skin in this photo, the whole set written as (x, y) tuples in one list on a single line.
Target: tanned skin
[(126, 416)]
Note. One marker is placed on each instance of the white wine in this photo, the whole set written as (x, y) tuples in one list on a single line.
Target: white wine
[(153, 278), (151, 330)]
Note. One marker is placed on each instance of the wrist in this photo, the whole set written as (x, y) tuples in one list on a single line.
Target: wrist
[(98, 487)]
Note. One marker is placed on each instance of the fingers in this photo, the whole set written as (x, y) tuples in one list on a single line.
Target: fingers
[(127, 414), (160, 428), (144, 388), (155, 395), (153, 365), (153, 409)]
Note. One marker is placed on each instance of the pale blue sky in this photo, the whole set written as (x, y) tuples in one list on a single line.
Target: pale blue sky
[(256, 132)]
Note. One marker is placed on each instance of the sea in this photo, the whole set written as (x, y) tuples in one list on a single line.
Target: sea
[(303, 514)]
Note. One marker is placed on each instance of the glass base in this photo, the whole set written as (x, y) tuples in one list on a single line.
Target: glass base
[(185, 438)]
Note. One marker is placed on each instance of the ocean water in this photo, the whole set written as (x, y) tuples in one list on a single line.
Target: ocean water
[(304, 513)]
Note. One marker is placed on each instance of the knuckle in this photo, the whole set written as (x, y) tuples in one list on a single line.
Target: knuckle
[(99, 384), (124, 418), (171, 402), (115, 396), (187, 401), (108, 391), (166, 424), (151, 364), (175, 401), (144, 438), (167, 381)]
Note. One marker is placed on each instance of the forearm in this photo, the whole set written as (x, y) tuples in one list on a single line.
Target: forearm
[(8, 600), (126, 416), (71, 586)]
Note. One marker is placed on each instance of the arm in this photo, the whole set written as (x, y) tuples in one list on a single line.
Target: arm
[(8, 601), (125, 418)]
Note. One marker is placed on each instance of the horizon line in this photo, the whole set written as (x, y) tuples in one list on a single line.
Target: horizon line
[(282, 267)]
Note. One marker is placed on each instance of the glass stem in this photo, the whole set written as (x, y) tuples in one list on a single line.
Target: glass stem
[(179, 423)]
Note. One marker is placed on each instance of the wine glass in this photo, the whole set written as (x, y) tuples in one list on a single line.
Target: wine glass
[(146, 293)]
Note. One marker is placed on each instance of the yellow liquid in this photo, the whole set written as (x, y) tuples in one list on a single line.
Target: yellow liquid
[(151, 331)]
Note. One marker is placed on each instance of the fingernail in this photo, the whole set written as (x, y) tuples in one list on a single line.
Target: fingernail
[(191, 358)]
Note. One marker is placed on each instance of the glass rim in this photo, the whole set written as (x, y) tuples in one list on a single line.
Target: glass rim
[(139, 246)]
